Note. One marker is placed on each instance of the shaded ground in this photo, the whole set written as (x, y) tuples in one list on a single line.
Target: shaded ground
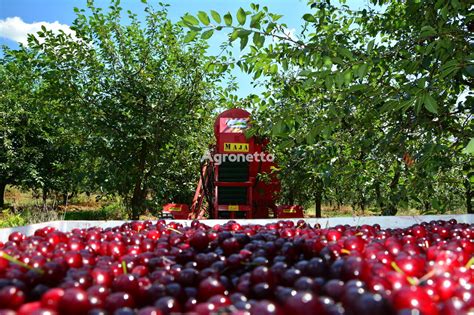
[(26, 207)]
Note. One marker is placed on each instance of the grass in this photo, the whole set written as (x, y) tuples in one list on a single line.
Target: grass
[(347, 211), (26, 207)]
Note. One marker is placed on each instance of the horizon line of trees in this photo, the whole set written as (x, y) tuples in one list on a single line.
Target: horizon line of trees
[(362, 107)]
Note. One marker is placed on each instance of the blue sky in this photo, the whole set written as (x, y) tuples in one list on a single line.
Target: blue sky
[(18, 17)]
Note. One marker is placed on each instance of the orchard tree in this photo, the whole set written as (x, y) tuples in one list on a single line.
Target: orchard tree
[(129, 90), (388, 87), (38, 149), (18, 131)]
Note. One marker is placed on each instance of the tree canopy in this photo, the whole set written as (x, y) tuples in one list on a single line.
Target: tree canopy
[(116, 105), (369, 107)]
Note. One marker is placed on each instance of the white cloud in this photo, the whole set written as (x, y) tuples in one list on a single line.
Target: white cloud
[(14, 28)]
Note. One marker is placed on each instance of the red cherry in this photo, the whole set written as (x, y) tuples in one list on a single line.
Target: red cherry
[(29, 308), (354, 243), (199, 240), (126, 283), (413, 298), (11, 297), (445, 287), (413, 266), (74, 301), (168, 305), (16, 237), (118, 300), (150, 310), (333, 235), (210, 287), (51, 298), (73, 259), (303, 303)]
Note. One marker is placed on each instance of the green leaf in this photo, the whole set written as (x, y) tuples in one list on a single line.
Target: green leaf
[(305, 73), (469, 149), (241, 16), (430, 103), (339, 79), (362, 71), (370, 46), (255, 20), (347, 77), (427, 31), (258, 40), (207, 34), (274, 68), (190, 20), (190, 36), (449, 68), (43, 28), (203, 17), (234, 35), (216, 16), (309, 18), (244, 33), (257, 74), (343, 51), (278, 128), (243, 41), (228, 19)]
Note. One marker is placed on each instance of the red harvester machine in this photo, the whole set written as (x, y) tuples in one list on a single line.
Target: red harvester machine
[(237, 177)]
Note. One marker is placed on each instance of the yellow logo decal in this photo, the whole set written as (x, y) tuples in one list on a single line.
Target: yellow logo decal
[(233, 208), (236, 147)]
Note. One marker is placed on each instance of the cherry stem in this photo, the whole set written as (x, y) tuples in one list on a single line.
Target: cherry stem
[(345, 251), (428, 275), (412, 281), (470, 263), (124, 267), (15, 261), (174, 230), (300, 225)]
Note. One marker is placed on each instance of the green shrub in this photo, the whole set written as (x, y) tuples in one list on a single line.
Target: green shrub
[(8, 219), (113, 211)]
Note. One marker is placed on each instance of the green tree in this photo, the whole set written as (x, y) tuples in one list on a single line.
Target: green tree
[(128, 90), (370, 98)]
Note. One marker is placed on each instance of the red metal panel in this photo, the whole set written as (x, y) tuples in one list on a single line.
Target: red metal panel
[(229, 130), (179, 211)]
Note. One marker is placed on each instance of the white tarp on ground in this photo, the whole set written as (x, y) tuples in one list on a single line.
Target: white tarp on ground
[(385, 222)]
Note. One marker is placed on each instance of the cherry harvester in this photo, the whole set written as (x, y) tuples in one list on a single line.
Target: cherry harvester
[(238, 177)]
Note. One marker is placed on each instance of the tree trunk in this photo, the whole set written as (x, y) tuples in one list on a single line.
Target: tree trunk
[(318, 197), (3, 187), (391, 208), (378, 196), (45, 197), (362, 203), (138, 198), (291, 197), (427, 206), (65, 198), (469, 195), (339, 200)]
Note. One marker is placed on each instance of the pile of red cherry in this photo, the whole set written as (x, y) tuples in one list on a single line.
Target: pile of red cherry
[(150, 268)]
